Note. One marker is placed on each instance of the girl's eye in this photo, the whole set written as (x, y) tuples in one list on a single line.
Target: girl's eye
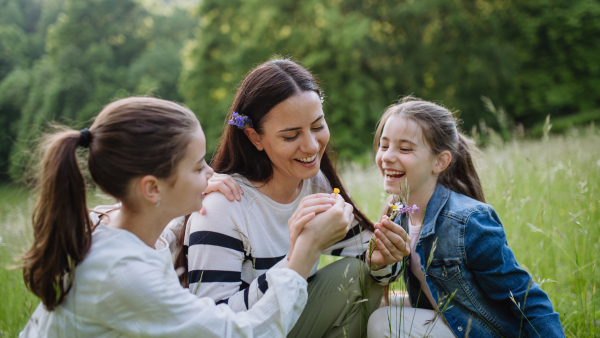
[(201, 169), (382, 146), (406, 149), (319, 127), (291, 138)]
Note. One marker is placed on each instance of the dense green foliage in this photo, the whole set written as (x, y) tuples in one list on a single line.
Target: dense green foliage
[(92, 52), (64, 59), (533, 57)]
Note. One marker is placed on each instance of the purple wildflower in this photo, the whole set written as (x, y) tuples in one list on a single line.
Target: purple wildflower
[(240, 121)]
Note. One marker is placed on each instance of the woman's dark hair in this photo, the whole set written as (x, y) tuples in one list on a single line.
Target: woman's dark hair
[(130, 138), (440, 133), (263, 88)]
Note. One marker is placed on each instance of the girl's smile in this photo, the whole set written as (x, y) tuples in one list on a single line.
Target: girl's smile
[(403, 155)]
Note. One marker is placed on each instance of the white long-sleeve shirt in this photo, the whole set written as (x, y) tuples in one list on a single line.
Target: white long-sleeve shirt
[(124, 288), (231, 247)]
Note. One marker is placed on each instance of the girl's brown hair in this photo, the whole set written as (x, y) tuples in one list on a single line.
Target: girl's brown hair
[(440, 133), (130, 138), (264, 87)]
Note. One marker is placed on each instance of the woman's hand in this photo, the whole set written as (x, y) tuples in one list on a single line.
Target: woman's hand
[(226, 185), (318, 233), (308, 208), (392, 244)]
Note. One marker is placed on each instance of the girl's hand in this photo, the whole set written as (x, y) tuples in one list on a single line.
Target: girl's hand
[(329, 227), (226, 185), (318, 233), (393, 244), (307, 209)]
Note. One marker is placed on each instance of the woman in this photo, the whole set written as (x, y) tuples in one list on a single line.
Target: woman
[(276, 147), (100, 275)]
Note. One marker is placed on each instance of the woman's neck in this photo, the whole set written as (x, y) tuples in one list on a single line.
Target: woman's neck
[(147, 225), (280, 189)]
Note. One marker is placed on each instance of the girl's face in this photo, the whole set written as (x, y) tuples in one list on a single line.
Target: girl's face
[(403, 154), (294, 136), (183, 193)]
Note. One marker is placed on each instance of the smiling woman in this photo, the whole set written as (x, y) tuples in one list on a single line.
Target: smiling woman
[(281, 158)]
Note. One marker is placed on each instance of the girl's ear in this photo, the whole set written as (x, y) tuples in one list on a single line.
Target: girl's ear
[(149, 189), (442, 162), (254, 138)]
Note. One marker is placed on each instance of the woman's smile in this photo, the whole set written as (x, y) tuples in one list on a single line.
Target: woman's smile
[(307, 161)]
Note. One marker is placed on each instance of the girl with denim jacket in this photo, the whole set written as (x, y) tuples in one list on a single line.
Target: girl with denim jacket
[(462, 278)]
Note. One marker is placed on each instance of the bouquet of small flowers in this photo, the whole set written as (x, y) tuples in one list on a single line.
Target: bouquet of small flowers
[(400, 206)]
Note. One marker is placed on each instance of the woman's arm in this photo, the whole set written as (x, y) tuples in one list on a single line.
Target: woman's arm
[(498, 274)]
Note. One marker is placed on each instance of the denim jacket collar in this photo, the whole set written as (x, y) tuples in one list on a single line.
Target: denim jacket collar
[(434, 207)]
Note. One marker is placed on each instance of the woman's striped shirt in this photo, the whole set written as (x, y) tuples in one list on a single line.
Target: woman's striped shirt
[(231, 247)]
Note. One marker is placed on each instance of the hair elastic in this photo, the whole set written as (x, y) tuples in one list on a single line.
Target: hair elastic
[(84, 138)]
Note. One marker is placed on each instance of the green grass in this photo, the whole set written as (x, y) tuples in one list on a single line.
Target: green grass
[(16, 303), (546, 193)]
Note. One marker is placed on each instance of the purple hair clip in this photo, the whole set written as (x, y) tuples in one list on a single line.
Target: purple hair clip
[(240, 121)]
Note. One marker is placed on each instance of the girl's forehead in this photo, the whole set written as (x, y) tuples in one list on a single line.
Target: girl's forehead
[(398, 127)]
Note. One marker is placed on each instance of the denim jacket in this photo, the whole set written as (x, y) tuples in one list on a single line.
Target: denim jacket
[(474, 271)]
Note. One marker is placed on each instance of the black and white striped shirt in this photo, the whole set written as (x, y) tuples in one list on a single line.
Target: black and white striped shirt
[(231, 247)]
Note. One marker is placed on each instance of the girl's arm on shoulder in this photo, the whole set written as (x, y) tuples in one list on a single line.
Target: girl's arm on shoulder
[(499, 274)]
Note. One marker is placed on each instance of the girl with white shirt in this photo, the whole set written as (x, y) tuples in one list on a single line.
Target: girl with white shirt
[(103, 274)]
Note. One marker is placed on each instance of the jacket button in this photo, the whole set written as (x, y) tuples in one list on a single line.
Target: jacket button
[(460, 328), (444, 274)]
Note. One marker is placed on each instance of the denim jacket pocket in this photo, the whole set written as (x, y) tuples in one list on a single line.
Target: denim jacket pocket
[(443, 272)]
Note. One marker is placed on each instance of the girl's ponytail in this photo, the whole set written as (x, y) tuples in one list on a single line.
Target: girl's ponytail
[(461, 175), (61, 224)]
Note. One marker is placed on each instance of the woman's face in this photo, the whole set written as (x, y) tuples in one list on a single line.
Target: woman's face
[(184, 195), (295, 135)]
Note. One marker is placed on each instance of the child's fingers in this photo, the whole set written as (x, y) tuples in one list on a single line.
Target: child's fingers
[(385, 253), (297, 227), (395, 228), (311, 201), (394, 244)]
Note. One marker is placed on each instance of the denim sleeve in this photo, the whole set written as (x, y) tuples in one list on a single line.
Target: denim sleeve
[(497, 272)]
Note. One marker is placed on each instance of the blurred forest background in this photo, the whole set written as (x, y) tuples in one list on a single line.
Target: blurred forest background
[(63, 60)]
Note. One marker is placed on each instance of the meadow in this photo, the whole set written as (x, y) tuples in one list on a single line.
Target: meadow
[(546, 192)]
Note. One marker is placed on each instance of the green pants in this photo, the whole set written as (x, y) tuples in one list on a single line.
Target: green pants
[(334, 308)]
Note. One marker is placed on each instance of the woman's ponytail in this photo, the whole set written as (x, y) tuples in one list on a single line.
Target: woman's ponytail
[(61, 224)]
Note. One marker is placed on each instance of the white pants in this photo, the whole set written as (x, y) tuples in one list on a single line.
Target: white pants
[(402, 321)]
